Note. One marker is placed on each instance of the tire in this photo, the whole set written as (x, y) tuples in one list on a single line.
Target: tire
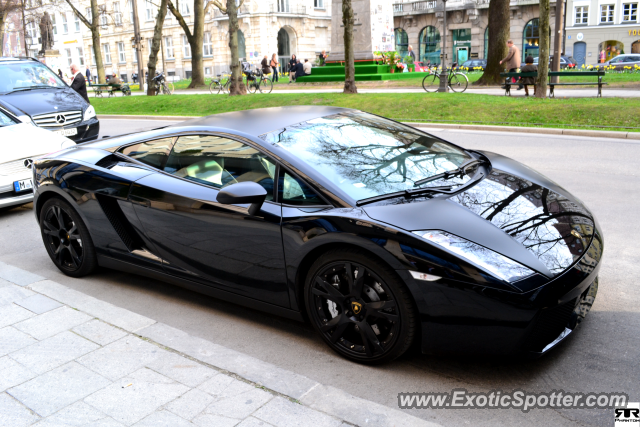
[(213, 88), (67, 239), (266, 85), (458, 82), (251, 87), (431, 82), (369, 321)]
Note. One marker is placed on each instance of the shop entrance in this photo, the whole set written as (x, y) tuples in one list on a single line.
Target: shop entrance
[(461, 44)]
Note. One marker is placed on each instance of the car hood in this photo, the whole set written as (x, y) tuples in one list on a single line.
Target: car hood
[(42, 101), (514, 211), (24, 140)]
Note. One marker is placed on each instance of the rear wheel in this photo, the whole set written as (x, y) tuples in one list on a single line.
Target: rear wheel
[(67, 239), (252, 87), (458, 82), (360, 308), (431, 82)]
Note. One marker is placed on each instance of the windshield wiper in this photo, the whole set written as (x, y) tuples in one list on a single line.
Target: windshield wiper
[(460, 170), (21, 88)]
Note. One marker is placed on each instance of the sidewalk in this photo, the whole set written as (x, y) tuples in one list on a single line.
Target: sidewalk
[(68, 359)]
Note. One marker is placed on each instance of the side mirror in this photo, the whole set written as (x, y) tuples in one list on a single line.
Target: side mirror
[(243, 192)]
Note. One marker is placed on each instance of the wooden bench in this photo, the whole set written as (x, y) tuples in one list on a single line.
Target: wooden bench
[(111, 89), (598, 74)]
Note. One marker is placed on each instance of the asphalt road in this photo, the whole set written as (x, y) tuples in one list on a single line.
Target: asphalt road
[(601, 356)]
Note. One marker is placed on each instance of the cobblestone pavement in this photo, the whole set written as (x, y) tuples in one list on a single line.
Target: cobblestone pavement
[(68, 359)]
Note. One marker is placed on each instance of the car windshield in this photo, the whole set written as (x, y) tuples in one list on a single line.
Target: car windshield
[(368, 156), (23, 75)]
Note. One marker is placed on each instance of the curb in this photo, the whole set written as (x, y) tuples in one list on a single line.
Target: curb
[(485, 128), (308, 392)]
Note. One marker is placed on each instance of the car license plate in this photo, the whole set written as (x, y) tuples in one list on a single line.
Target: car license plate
[(22, 185), (67, 132)]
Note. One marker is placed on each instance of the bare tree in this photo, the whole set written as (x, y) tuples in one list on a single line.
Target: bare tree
[(6, 7), (231, 10), (499, 24), (543, 58), (155, 45), (349, 65), (194, 38), (94, 27)]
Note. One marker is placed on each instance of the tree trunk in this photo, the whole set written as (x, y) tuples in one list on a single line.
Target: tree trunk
[(95, 37), (195, 41), (543, 58), (237, 86), (349, 65), (155, 46), (499, 28), (3, 20)]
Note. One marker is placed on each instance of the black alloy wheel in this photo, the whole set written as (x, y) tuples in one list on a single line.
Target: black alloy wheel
[(67, 239), (359, 307)]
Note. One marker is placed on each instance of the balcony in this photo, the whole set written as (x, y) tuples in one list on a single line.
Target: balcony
[(294, 10)]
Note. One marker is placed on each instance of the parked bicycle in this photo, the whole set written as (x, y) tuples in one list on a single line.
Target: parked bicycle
[(161, 85), (257, 81), (457, 81), (221, 84)]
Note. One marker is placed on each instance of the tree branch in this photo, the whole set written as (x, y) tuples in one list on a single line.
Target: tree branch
[(84, 20), (181, 21)]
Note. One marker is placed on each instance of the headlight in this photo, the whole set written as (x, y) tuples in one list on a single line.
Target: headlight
[(26, 119), (89, 113), (496, 264)]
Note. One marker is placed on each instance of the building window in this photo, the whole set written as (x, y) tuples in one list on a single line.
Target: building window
[(486, 43), (107, 53), (150, 11), (135, 54), (582, 15), (184, 8), (65, 25), (429, 46), (630, 12), (32, 31), (130, 7), (80, 55), (283, 5), (186, 48), (104, 19), (606, 13), (531, 38), (168, 47), (88, 14), (76, 21), (207, 47), (117, 16), (93, 55), (318, 4), (53, 22), (69, 59), (402, 42), (121, 55), (207, 71)]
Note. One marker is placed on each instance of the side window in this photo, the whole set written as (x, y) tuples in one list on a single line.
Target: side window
[(293, 191), (218, 161), (5, 120), (152, 153)]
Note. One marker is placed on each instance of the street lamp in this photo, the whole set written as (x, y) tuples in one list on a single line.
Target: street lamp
[(444, 84)]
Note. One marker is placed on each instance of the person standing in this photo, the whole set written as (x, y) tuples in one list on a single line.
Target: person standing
[(60, 73), (602, 56), (87, 74), (323, 58), (512, 60), (292, 67), (412, 54), (275, 65), (78, 82)]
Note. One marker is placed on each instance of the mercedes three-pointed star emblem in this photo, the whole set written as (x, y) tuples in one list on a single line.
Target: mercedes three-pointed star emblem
[(60, 119), (28, 163)]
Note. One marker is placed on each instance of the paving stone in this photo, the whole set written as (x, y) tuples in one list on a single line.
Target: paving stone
[(130, 404), (241, 405), (120, 317), (53, 322), (77, 414), (50, 392), (53, 352), (38, 303), (12, 373), (4, 283), (122, 357), (284, 413), (163, 419), (254, 422), (105, 422), (207, 420), (10, 293), (222, 386), (11, 313), (14, 414), (12, 339), (99, 332), (17, 275), (182, 369), (190, 404)]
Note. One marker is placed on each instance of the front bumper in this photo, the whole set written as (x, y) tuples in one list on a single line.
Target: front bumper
[(8, 196), (87, 131)]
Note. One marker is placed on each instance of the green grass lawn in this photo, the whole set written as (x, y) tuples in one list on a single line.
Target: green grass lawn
[(420, 107)]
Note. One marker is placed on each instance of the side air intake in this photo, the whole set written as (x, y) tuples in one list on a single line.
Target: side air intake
[(119, 221)]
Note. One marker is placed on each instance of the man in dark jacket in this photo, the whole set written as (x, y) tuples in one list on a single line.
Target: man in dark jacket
[(87, 74), (78, 83), (299, 69)]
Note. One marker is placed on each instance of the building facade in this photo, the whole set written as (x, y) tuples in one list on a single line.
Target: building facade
[(420, 23), (598, 30), (284, 27)]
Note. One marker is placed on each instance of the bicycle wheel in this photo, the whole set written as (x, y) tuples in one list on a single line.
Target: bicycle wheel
[(170, 88), (431, 82), (252, 87), (458, 82), (266, 85), (214, 87)]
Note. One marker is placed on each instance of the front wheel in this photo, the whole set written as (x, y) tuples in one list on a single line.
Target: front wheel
[(214, 87), (431, 82), (458, 82), (360, 308), (67, 239), (266, 85)]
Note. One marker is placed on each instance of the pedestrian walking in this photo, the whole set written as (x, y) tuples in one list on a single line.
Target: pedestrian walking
[(266, 69), (512, 60), (602, 56), (528, 68), (412, 54), (60, 73), (292, 67), (87, 74), (78, 82), (275, 65)]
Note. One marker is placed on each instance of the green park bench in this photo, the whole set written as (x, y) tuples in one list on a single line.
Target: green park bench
[(111, 89), (598, 74)]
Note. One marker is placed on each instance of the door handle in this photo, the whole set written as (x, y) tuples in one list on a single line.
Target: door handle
[(139, 201)]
